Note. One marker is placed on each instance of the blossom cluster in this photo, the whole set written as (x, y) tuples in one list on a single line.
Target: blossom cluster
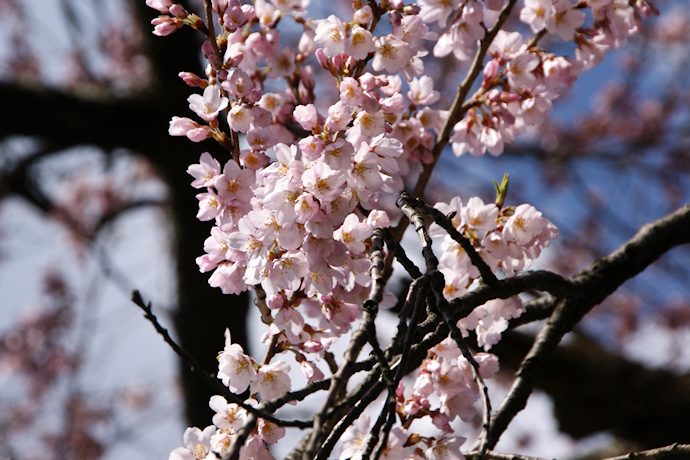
[(217, 438), (520, 81), (507, 238), (293, 211)]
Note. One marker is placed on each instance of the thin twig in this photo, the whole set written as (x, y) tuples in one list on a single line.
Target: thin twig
[(211, 33), (209, 377), (437, 283), (457, 109), (485, 271)]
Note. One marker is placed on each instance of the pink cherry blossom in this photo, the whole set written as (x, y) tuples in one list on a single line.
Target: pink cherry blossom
[(208, 105), (323, 182), (235, 369), (506, 45), (339, 117), (437, 10), (360, 43), (422, 91), (238, 83), (520, 70), (272, 380), (209, 206), (240, 118), (235, 183), (205, 172), (445, 448), (370, 124), (197, 445), (330, 34), (306, 116), (350, 92), (226, 415), (269, 432), (535, 13), (391, 54), (565, 19)]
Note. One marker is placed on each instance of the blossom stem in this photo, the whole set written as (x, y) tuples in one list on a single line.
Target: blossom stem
[(211, 33)]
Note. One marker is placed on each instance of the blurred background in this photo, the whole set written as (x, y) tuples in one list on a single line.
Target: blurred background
[(95, 202)]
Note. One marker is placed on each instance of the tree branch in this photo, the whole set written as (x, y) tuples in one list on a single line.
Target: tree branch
[(594, 284)]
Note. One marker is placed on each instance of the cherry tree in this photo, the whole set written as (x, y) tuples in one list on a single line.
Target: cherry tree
[(312, 131), (301, 216)]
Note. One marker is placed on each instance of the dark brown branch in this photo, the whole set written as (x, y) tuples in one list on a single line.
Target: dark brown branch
[(653, 454), (594, 284)]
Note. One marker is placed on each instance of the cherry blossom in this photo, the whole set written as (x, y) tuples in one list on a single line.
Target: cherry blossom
[(210, 104), (205, 172), (564, 19), (197, 445), (235, 369), (330, 34), (323, 156), (360, 43), (391, 54), (272, 380)]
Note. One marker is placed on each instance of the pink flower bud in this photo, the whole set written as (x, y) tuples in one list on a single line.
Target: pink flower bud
[(326, 299), (276, 301), (312, 346), (178, 11), (180, 126), (199, 134), (338, 62), (412, 9), (235, 59), (262, 117), (510, 97), (306, 116), (207, 49), (395, 18), (254, 96), (370, 103), (490, 70), (382, 80), (306, 77), (219, 6), (161, 5), (351, 62), (164, 26), (368, 82), (192, 79), (494, 95), (323, 59)]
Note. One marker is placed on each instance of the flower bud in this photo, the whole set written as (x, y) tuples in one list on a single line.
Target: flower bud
[(312, 346), (161, 5), (323, 59), (178, 11), (235, 59), (193, 80), (490, 71)]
